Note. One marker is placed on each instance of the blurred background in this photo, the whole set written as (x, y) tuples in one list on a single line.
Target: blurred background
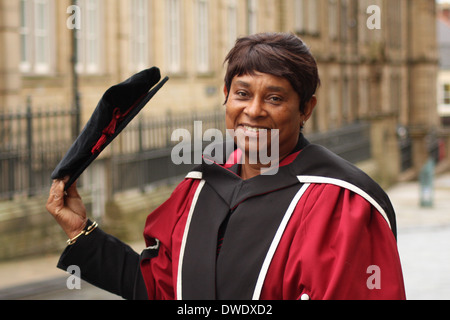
[(384, 104)]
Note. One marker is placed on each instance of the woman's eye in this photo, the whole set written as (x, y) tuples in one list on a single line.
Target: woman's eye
[(275, 99)]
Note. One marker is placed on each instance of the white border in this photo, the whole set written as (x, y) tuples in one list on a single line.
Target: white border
[(185, 234), (349, 186), (194, 175), (276, 240)]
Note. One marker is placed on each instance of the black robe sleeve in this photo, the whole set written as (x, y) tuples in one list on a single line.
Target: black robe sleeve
[(107, 263)]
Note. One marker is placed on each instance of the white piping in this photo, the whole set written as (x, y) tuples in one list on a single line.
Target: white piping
[(185, 234), (349, 186), (194, 175)]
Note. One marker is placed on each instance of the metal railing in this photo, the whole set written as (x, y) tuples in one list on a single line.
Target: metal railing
[(351, 142), (32, 141)]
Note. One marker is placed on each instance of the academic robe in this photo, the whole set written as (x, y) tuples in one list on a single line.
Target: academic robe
[(315, 229), (318, 229)]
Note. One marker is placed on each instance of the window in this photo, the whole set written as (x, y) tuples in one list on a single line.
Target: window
[(202, 36), (363, 93), (299, 13), (333, 19), (139, 35), (334, 105), (252, 16), (306, 16), (25, 36), (394, 17), (36, 36), (89, 37), (345, 100), (231, 23), (344, 23), (173, 13), (313, 11), (363, 31), (396, 91), (446, 94)]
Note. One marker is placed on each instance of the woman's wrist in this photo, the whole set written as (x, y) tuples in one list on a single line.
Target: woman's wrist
[(88, 228)]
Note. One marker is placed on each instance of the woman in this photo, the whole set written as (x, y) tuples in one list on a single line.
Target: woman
[(317, 229)]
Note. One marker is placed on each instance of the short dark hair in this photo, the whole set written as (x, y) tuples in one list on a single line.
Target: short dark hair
[(279, 54)]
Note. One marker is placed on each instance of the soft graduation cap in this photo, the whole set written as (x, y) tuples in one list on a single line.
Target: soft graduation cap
[(118, 106)]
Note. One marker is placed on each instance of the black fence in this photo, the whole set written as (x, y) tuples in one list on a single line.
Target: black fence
[(351, 142), (405, 147), (32, 142)]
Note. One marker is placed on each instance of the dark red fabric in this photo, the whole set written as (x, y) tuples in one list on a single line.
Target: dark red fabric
[(167, 224), (332, 239)]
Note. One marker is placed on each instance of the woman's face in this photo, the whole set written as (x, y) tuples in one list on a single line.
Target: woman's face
[(264, 101)]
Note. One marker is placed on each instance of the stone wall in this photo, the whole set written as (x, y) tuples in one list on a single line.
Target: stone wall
[(126, 215), (27, 229)]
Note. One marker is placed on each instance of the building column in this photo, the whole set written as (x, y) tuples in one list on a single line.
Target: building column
[(423, 66), (10, 77)]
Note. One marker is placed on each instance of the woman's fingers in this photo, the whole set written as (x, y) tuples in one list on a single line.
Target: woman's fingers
[(55, 200), (67, 207), (72, 192)]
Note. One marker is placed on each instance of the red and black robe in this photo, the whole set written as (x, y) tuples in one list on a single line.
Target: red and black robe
[(314, 230)]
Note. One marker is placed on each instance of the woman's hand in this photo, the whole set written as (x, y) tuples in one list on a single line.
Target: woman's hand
[(67, 208)]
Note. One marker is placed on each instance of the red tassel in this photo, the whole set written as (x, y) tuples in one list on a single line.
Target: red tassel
[(108, 131), (111, 128)]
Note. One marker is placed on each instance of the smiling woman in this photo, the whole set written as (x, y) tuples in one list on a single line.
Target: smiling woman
[(278, 54), (270, 84), (312, 230), (264, 102)]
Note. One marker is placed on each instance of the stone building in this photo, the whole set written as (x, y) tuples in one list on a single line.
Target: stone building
[(443, 31), (378, 59), (378, 62)]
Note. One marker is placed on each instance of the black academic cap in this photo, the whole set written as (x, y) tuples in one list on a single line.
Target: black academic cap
[(118, 106)]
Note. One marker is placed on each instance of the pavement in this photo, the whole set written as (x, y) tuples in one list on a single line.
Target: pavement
[(423, 238)]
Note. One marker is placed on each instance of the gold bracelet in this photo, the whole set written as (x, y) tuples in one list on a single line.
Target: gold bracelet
[(86, 231)]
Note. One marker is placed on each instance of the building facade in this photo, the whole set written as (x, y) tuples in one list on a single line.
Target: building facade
[(443, 30), (378, 59)]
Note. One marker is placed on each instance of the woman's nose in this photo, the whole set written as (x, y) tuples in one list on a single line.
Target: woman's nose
[(255, 108)]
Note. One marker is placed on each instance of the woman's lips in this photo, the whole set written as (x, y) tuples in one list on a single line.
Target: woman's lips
[(253, 129)]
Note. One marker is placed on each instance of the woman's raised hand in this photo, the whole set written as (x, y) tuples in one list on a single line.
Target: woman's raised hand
[(67, 208)]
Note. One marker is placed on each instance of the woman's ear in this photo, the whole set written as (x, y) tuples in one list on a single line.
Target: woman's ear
[(309, 108), (225, 93)]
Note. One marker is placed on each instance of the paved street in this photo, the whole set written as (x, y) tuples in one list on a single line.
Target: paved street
[(425, 259), (423, 238)]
